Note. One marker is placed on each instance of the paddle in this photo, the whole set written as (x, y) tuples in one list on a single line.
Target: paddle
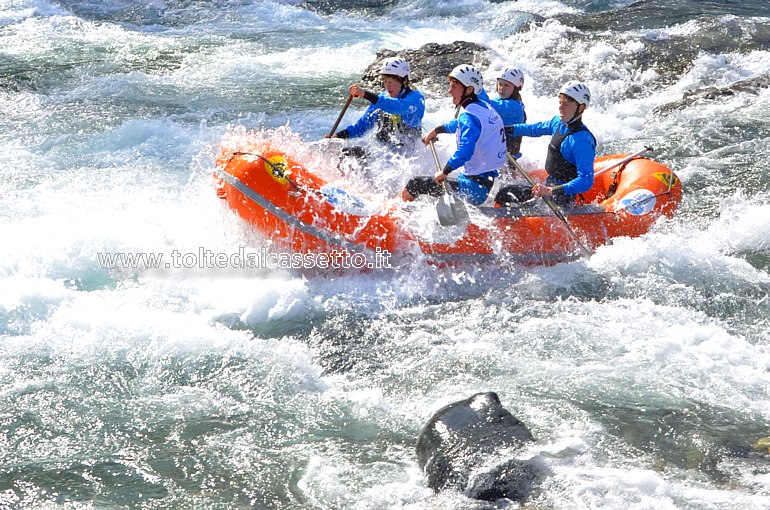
[(625, 160), (449, 211), (339, 117), (556, 211)]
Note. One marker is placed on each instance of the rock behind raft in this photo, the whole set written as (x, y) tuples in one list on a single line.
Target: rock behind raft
[(430, 64)]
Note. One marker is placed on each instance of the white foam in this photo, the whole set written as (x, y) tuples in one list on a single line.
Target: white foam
[(86, 169), (278, 299), (743, 226)]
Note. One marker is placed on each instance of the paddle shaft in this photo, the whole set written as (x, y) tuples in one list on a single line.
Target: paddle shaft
[(438, 164), (556, 211), (435, 155), (457, 212), (625, 160), (342, 114)]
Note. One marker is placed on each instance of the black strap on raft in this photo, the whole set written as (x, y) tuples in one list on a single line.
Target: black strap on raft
[(616, 179)]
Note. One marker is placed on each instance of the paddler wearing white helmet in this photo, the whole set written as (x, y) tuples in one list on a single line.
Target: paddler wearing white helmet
[(509, 105), (480, 136), (397, 112), (571, 152)]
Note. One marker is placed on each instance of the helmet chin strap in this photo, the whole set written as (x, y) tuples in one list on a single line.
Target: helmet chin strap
[(464, 101), (577, 115), (466, 94)]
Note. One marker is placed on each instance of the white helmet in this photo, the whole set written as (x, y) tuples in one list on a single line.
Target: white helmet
[(469, 76), (395, 66), (577, 90), (512, 75)]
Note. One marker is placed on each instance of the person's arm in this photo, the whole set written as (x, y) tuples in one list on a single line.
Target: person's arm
[(408, 105), (449, 127), (510, 110), (362, 125), (538, 128), (470, 130)]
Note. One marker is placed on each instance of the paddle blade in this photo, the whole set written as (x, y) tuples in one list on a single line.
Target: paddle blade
[(451, 211), (445, 212), (459, 210)]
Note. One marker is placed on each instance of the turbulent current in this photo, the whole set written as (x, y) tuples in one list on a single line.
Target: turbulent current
[(642, 371)]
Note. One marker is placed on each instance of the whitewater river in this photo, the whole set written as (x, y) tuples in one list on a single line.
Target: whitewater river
[(643, 371)]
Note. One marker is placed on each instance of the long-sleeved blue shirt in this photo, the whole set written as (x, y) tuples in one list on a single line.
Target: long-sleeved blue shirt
[(510, 110), (579, 149), (409, 105)]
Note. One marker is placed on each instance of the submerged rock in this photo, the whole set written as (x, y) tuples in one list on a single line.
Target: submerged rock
[(430, 64), (330, 6), (750, 85), (469, 446)]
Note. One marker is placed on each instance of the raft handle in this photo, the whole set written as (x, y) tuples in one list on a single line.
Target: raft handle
[(625, 160)]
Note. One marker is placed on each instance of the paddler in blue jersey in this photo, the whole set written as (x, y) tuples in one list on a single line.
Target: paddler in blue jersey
[(480, 143), (397, 112), (571, 152), (509, 105)]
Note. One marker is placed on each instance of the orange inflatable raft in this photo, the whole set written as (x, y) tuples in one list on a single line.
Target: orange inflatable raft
[(302, 213)]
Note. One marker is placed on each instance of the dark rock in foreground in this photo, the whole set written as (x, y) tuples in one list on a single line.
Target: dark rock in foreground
[(468, 446)]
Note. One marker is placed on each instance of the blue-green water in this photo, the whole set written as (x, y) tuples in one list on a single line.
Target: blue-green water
[(642, 371)]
